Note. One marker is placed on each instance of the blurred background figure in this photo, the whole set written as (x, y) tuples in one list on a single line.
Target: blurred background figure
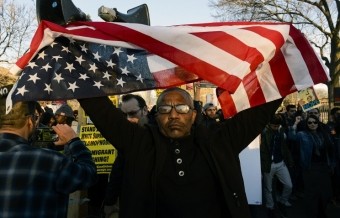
[(209, 116), (64, 115), (317, 162)]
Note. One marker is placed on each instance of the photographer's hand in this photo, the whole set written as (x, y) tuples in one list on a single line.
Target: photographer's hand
[(65, 134)]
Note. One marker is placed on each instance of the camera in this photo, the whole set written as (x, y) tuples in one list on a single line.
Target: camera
[(45, 134)]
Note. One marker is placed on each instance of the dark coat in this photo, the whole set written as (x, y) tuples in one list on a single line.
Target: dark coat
[(265, 149), (144, 150)]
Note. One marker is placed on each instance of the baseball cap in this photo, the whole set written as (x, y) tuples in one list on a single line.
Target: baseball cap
[(208, 105), (65, 110)]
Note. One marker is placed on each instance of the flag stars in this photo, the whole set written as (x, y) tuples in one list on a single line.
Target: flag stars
[(97, 56), (58, 77), (65, 49), (125, 71), (98, 84), (80, 59), (56, 57), (106, 75), (140, 78), (22, 91), (83, 76), (46, 67), (69, 67), (120, 82), (83, 48), (131, 58), (110, 64), (41, 55), (48, 88), (33, 78), (31, 65), (72, 86), (93, 67), (117, 51)]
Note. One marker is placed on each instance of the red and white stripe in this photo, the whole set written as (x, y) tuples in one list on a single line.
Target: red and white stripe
[(253, 63)]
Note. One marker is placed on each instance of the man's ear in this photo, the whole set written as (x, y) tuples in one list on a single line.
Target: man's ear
[(29, 121)]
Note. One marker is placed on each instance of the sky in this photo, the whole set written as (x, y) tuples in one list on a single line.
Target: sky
[(162, 13)]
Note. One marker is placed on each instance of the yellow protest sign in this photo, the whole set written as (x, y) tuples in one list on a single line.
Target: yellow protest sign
[(103, 153)]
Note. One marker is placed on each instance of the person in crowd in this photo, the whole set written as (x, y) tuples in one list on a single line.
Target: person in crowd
[(300, 112), (136, 111), (220, 115), (303, 124), (44, 136), (209, 116), (174, 170), (47, 119), (317, 162), (291, 119), (36, 182), (64, 115), (289, 116), (275, 157), (334, 126)]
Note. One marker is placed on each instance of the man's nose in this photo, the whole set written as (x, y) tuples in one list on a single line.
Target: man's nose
[(173, 113)]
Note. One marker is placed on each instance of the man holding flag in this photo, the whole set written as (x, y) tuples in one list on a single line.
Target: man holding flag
[(175, 170)]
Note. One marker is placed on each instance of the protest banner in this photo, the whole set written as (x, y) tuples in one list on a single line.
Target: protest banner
[(308, 99), (103, 153)]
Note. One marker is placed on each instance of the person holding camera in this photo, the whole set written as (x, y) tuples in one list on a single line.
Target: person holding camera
[(36, 182)]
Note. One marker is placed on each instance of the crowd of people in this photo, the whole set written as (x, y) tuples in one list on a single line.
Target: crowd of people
[(300, 156), (173, 159)]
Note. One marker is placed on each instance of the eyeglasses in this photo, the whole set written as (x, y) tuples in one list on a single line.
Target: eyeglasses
[(314, 113), (180, 108), (132, 113), (312, 122)]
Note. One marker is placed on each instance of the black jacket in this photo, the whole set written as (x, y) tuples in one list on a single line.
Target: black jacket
[(144, 154), (265, 149)]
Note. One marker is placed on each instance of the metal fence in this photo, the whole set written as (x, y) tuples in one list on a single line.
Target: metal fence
[(324, 113)]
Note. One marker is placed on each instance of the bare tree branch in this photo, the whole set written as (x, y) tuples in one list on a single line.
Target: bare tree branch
[(318, 20), (18, 23)]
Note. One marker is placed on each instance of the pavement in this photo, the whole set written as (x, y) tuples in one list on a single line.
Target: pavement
[(295, 211)]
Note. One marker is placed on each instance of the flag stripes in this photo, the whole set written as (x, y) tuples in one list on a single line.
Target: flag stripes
[(251, 63)]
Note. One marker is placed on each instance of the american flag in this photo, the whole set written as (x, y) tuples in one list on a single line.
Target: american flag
[(251, 63)]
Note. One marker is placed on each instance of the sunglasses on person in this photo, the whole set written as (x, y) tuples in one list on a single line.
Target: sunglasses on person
[(313, 113), (312, 122), (180, 108)]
